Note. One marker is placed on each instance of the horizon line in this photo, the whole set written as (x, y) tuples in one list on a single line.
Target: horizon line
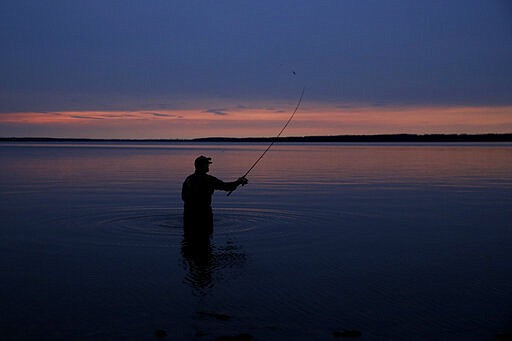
[(402, 137)]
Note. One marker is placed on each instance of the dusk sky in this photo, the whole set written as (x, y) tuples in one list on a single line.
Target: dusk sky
[(184, 69)]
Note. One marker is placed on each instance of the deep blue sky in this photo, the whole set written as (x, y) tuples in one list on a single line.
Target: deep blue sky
[(72, 55), (57, 52)]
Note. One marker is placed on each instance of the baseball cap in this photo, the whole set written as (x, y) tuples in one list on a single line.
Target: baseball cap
[(201, 160)]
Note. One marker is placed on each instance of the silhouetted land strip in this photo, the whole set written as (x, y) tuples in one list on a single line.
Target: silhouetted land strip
[(330, 138), (374, 138)]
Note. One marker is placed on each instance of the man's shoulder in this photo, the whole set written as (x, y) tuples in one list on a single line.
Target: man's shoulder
[(192, 178), (212, 178), (201, 177)]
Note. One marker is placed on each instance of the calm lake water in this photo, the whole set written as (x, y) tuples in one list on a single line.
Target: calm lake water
[(398, 241)]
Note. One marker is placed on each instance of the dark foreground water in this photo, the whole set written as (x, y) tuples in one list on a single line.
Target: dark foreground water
[(400, 242)]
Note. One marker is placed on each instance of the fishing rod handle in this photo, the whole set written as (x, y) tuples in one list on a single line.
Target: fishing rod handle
[(243, 184)]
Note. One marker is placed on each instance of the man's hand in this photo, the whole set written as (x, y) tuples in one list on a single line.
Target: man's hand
[(242, 181)]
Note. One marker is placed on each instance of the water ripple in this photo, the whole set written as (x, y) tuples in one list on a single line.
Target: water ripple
[(162, 227)]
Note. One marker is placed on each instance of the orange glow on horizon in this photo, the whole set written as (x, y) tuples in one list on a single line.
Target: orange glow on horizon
[(311, 119)]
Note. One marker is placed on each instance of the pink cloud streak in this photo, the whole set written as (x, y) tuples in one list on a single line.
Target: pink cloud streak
[(237, 121)]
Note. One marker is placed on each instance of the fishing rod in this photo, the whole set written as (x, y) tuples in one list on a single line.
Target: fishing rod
[(274, 140)]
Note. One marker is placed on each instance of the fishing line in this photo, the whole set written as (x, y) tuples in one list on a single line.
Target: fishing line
[(274, 140)]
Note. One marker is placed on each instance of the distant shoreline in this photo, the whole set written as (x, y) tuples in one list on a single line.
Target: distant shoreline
[(329, 138)]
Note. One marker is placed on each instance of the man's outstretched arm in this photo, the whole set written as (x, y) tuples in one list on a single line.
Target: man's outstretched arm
[(230, 186)]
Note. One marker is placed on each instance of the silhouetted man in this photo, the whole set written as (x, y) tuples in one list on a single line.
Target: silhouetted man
[(197, 193)]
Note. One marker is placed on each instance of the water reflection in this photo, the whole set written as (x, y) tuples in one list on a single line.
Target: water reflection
[(206, 264), (198, 258)]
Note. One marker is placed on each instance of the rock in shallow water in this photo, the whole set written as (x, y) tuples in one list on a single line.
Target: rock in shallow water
[(504, 336), (239, 337), (160, 334), (222, 317), (347, 333)]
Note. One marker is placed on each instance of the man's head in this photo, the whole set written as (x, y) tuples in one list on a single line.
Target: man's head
[(202, 164)]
